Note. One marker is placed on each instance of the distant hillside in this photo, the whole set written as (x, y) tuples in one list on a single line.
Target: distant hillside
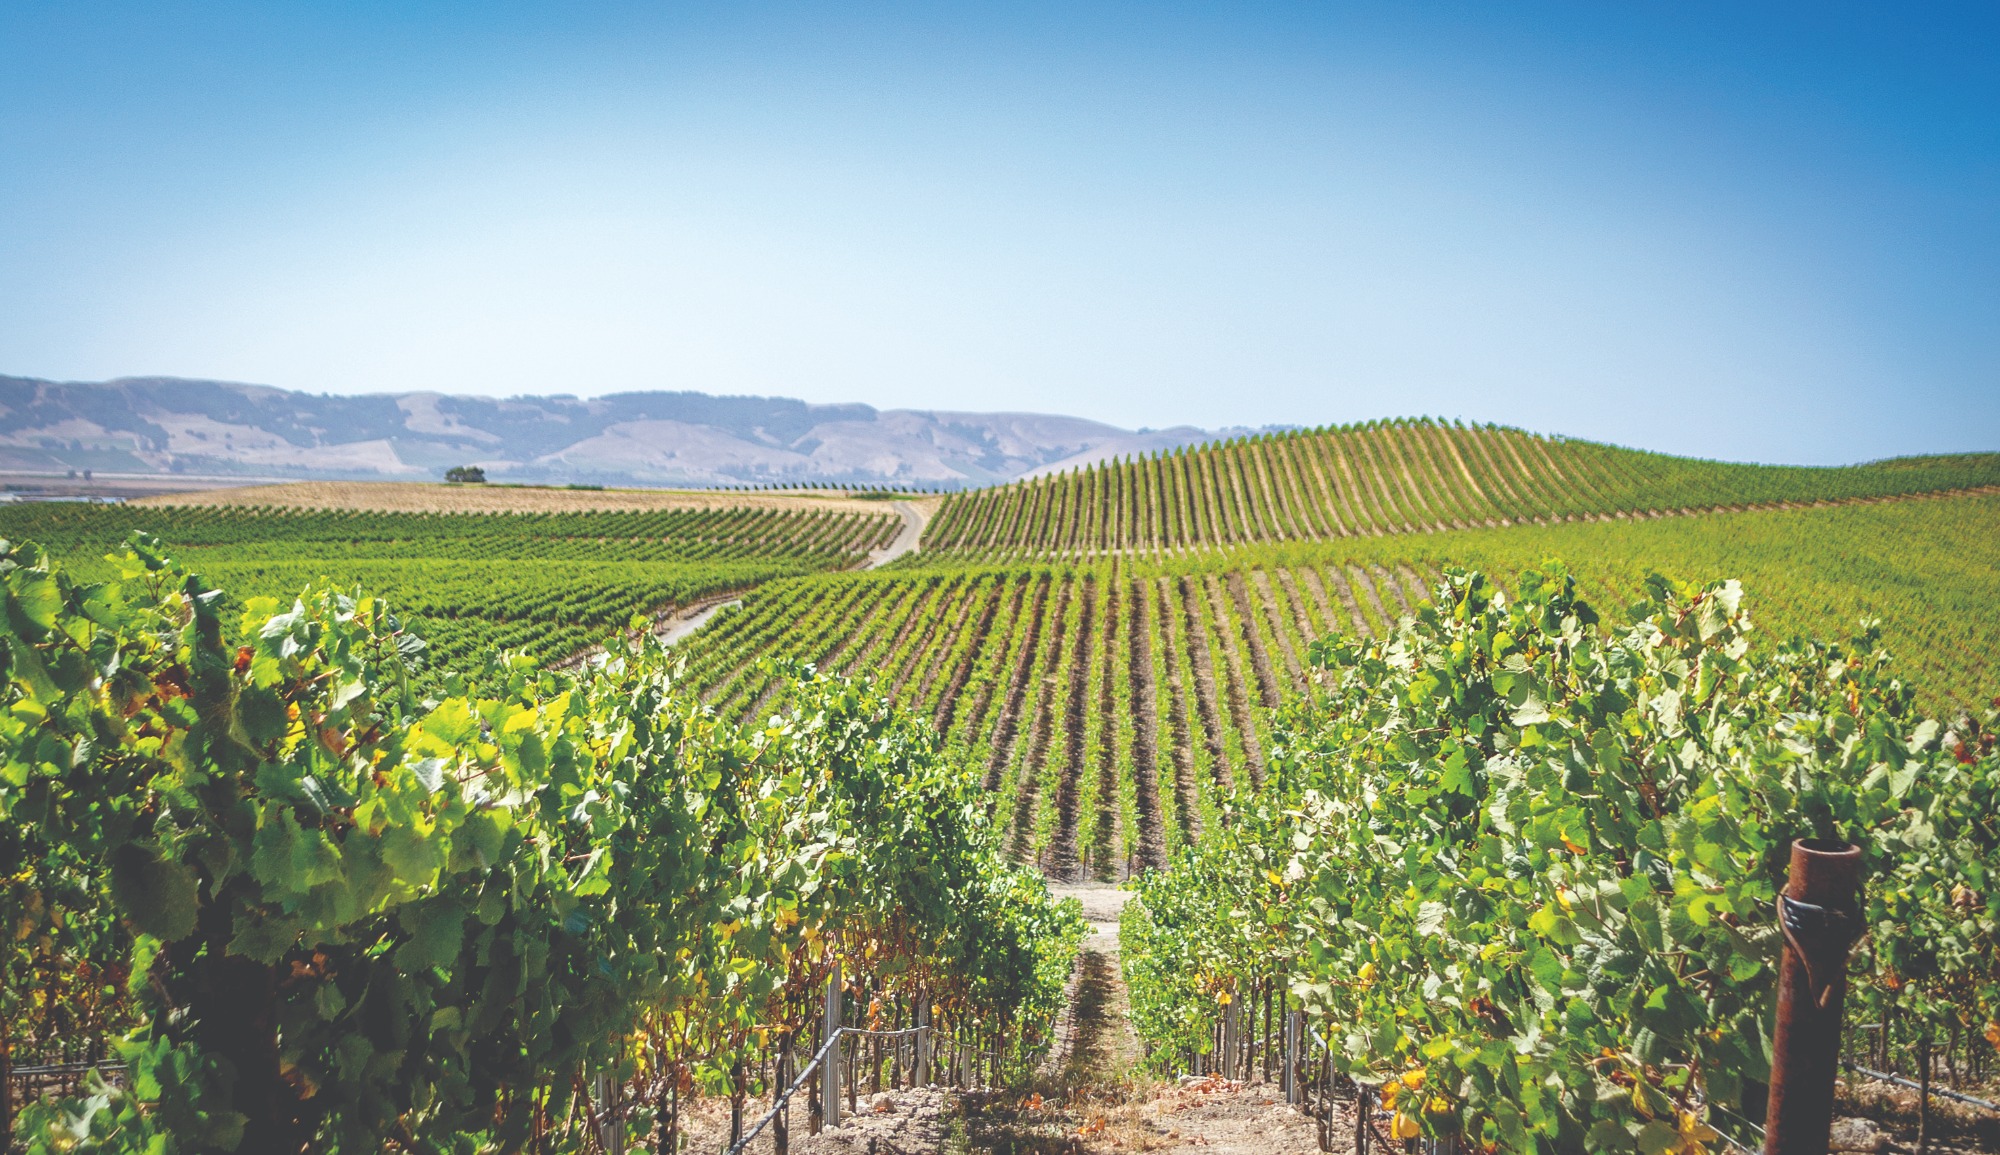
[(169, 425), (1388, 477)]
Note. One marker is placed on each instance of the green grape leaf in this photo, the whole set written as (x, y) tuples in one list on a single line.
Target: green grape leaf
[(412, 856), (436, 931), (34, 599), (158, 894), (264, 939), (262, 714)]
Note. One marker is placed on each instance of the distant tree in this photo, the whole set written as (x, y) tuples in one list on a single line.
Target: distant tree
[(470, 474)]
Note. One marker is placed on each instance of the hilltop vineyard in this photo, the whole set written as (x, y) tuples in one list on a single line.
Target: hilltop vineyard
[(1394, 477)]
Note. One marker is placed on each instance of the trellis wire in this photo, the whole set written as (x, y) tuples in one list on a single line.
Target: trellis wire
[(833, 1040), (1900, 1081)]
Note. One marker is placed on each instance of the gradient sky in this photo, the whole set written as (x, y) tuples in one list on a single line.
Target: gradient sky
[(1766, 231)]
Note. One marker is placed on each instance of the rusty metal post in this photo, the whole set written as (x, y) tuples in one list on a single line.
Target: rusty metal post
[(1820, 913)]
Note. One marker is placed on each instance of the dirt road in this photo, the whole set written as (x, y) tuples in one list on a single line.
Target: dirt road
[(915, 517), (685, 620)]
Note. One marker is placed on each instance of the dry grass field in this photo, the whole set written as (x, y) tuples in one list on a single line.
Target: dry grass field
[(438, 497)]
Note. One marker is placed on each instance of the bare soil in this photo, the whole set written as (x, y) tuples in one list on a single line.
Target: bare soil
[(1104, 864), (983, 633), (1062, 853), (1017, 684), (1260, 660), (1185, 805), (938, 644), (1883, 1117), (905, 1121), (1041, 726), (1268, 604), (1152, 846), (1204, 687), (1234, 684)]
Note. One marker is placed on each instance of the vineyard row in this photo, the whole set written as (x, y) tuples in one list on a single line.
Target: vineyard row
[(530, 913), (1112, 705), (551, 586), (687, 535), (1381, 478), (1109, 710)]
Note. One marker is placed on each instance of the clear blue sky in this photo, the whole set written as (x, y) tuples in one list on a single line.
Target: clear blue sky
[(1756, 231)]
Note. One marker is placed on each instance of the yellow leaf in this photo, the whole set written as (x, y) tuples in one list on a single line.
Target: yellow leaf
[(1639, 1100), (1695, 1135), (1405, 1127)]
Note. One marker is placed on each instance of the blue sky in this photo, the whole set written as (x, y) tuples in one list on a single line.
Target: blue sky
[(1765, 232)]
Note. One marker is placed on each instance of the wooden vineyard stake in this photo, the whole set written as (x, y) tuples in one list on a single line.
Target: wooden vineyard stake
[(1821, 920)]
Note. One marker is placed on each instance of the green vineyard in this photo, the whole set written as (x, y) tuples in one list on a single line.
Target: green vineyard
[(820, 539), (1115, 704), (481, 922), (1520, 869), (1457, 837), (1394, 477), (470, 585)]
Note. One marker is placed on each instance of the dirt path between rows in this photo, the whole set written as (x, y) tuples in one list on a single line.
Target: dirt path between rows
[(1094, 1095)]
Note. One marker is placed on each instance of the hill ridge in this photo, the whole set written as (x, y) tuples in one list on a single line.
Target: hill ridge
[(167, 425)]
